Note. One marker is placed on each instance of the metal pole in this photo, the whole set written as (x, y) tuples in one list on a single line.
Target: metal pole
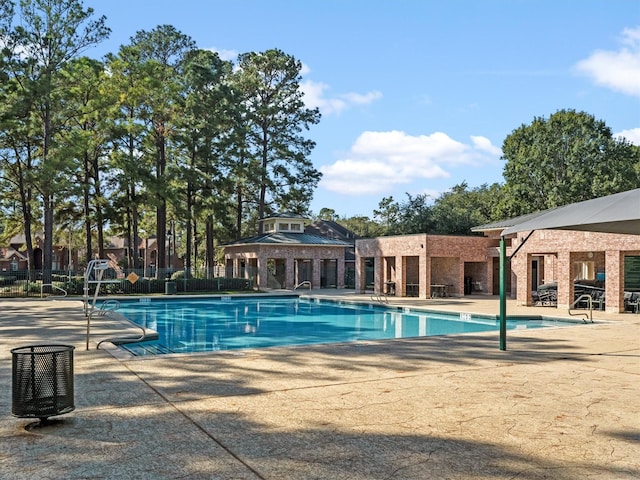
[(98, 273), (146, 249), (69, 265), (503, 294)]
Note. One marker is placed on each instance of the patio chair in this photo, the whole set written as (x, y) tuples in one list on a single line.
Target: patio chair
[(547, 297), (632, 302), (535, 298), (598, 299)]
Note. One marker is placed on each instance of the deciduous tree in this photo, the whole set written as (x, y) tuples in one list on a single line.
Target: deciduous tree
[(568, 157)]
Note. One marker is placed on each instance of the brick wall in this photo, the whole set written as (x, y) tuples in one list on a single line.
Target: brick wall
[(431, 259), (560, 250)]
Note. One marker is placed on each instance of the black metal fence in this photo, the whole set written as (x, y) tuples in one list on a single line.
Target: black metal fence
[(20, 283)]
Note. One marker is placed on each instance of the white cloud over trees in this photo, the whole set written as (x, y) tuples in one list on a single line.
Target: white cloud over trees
[(315, 95), (632, 135), (618, 70), (379, 160)]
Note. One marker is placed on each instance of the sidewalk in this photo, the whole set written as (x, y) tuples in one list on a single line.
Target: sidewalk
[(560, 403)]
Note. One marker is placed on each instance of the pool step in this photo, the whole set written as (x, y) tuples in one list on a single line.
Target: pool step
[(142, 349)]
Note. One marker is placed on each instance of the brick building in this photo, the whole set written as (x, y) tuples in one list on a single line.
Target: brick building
[(425, 265), (571, 261), (286, 256)]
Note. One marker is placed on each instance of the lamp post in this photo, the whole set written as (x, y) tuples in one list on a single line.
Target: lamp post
[(69, 262), (145, 260), (169, 237), (144, 234), (170, 234)]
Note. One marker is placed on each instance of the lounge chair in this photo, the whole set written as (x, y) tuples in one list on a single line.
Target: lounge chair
[(632, 302), (598, 298), (547, 297)]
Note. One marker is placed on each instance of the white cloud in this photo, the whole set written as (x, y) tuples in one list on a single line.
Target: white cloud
[(305, 70), (378, 161), (228, 55), (362, 99), (315, 95), (485, 145), (618, 70), (632, 135)]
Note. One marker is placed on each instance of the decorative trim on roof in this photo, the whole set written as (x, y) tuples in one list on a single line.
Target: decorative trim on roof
[(295, 216), (289, 239)]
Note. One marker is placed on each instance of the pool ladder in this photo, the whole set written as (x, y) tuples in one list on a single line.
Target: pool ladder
[(301, 284), (380, 298), (588, 316), (108, 309)]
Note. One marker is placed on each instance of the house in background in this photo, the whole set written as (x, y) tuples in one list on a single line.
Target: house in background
[(60, 255), (116, 250), (12, 260), (287, 256)]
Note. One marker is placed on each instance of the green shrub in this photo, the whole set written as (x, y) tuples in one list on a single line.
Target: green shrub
[(7, 279), (177, 275)]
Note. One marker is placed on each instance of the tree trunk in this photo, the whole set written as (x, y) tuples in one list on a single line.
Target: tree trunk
[(209, 246), (47, 201), (87, 205), (187, 256), (238, 213), (263, 180), (136, 235), (161, 211)]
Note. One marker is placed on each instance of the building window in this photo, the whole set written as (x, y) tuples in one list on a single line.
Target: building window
[(295, 227), (283, 226), (584, 270), (14, 265)]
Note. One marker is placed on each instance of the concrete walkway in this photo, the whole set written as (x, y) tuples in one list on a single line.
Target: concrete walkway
[(560, 403)]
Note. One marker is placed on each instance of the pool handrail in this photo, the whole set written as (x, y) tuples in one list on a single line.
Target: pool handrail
[(53, 287), (108, 309), (306, 282), (589, 298), (380, 298)]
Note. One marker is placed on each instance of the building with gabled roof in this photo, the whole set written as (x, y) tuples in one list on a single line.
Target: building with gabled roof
[(12, 260), (287, 255)]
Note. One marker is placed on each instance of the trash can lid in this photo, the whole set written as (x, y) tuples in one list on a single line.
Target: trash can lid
[(43, 349)]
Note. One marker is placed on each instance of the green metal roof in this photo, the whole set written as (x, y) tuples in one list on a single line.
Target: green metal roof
[(289, 239)]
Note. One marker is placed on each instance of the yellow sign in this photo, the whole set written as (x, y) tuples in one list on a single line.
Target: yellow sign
[(132, 277)]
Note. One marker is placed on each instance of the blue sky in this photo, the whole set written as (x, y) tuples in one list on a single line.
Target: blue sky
[(418, 95)]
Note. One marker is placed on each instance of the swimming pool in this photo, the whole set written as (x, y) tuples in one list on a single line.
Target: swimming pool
[(230, 323)]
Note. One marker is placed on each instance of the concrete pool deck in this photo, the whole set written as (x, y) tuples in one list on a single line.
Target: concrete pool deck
[(560, 403)]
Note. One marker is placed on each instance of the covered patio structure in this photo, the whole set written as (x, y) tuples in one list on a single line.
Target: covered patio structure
[(425, 266), (608, 227)]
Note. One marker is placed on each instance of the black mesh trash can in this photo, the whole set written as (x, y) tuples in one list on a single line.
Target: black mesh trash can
[(42, 381)]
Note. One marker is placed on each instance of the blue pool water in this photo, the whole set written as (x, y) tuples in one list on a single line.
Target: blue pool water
[(205, 325)]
